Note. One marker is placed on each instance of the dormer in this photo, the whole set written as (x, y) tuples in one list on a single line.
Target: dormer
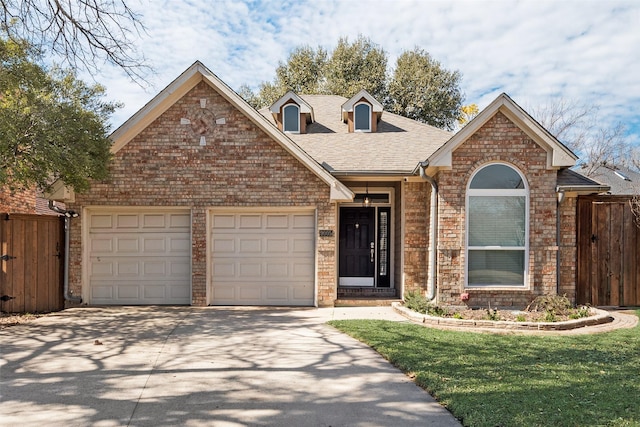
[(362, 112), (292, 114)]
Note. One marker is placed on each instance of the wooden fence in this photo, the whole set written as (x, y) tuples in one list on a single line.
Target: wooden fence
[(32, 250), (608, 252)]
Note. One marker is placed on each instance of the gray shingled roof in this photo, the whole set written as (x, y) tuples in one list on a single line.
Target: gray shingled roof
[(397, 147), (614, 177)]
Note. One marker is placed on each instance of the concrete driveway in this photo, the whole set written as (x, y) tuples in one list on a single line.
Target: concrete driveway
[(166, 366)]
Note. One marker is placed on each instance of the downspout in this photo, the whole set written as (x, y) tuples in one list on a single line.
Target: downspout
[(433, 230), (561, 196), (68, 214)]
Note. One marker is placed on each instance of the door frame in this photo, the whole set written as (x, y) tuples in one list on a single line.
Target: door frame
[(390, 191)]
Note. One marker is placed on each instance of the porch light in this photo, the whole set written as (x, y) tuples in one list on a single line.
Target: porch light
[(367, 200)]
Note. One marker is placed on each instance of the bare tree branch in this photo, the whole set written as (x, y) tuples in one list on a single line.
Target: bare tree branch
[(580, 128), (85, 34)]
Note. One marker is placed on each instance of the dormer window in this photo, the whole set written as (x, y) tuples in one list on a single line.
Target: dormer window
[(362, 112), (291, 118), (362, 117), (292, 114)]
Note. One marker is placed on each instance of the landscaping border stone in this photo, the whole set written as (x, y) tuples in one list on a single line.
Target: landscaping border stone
[(597, 318)]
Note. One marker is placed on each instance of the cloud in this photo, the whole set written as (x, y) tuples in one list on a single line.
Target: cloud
[(533, 50)]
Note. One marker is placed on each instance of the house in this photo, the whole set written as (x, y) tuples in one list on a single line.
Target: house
[(322, 198)]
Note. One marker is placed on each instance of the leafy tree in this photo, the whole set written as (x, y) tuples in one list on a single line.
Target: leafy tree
[(356, 66), (304, 70), (82, 33), (420, 89), (423, 90), (53, 125)]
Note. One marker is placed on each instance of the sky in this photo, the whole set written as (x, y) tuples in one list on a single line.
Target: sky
[(536, 51)]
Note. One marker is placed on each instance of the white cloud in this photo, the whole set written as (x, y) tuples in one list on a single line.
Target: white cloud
[(533, 50)]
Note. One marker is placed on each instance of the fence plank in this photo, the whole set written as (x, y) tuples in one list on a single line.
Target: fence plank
[(615, 251), (583, 240), (631, 258)]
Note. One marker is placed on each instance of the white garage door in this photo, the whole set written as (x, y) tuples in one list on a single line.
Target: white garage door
[(139, 257), (263, 258)]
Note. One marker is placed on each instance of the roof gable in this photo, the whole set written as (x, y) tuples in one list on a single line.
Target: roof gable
[(290, 96), (187, 81), (558, 155), (348, 106)]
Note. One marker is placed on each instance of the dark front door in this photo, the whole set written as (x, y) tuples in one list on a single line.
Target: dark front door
[(357, 246)]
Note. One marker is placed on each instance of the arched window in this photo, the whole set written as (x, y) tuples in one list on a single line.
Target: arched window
[(497, 227), (362, 117), (291, 118)]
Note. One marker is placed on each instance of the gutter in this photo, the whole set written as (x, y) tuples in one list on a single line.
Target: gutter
[(68, 214), (433, 230), (580, 189), (397, 173)]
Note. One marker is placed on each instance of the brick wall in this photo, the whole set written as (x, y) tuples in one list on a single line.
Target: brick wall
[(240, 166), (498, 140), (416, 235), (568, 248), (23, 202)]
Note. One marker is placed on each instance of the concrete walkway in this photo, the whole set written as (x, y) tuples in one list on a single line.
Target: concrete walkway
[(167, 366)]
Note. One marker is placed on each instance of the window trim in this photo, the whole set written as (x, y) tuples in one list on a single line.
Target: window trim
[(355, 107), (526, 285), (284, 122)]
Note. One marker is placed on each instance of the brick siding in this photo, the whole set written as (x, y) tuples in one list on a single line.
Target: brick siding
[(498, 140), (240, 166), (22, 202)]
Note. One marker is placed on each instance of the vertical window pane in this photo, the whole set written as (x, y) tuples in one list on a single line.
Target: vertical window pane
[(362, 117), (291, 118), (497, 220), (496, 267), (383, 231)]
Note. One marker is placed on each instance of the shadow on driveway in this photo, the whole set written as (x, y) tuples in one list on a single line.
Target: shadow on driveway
[(162, 366)]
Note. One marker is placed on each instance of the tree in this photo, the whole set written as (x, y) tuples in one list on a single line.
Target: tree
[(81, 33), (579, 127), (54, 126), (467, 113), (356, 66), (423, 90), (304, 71)]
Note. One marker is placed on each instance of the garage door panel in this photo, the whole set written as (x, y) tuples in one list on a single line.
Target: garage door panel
[(250, 269), (126, 292), (263, 258), (306, 222), (139, 257), (250, 221), (249, 245), (277, 221)]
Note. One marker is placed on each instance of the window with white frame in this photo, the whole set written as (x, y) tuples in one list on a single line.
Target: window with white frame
[(291, 118), (497, 227), (362, 117)]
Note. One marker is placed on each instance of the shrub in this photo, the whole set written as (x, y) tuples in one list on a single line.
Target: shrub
[(417, 302)]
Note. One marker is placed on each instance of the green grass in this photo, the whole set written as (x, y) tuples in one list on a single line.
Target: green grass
[(516, 380)]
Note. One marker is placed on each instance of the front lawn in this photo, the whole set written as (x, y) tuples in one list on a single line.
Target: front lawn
[(516, 380)]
